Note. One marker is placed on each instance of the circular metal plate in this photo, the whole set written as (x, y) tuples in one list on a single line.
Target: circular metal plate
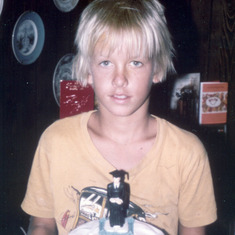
[(63, 72), (1, 6), (66, 5), (28, 37)]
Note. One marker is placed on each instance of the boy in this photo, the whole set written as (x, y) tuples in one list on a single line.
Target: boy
[(123, 48)]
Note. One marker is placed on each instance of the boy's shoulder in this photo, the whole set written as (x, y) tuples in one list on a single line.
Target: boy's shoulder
[(68, 125), (176, 134), (179, 145)]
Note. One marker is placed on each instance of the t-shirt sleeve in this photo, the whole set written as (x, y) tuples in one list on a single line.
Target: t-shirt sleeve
[(38, 200), (197, 205)]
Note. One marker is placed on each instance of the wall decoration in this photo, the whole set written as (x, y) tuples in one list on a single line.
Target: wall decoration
[(28, 37), (66, 5), (185, 95), (75, 99), (213, 102), (1, 6), (63, 72)]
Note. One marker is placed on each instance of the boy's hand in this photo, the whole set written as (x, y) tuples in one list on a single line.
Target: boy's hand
[(42, 226)]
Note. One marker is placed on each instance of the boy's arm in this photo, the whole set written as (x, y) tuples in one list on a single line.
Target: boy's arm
[(42, 226), (192, 231)]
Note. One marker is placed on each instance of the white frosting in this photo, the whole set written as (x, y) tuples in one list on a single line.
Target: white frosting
[(140, 228)]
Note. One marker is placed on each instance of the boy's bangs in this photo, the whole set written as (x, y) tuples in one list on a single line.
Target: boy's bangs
[(132, 40)]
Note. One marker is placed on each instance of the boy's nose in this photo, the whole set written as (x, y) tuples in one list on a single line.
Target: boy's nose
[(120, 78)]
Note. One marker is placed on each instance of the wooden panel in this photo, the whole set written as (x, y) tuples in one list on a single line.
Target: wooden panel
[(201, 14), (215, 21), (227, 63)]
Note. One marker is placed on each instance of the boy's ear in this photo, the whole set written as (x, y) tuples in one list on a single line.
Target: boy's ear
[(156, 78), (90, 79)]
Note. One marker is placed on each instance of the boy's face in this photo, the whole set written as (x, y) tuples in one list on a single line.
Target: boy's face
[(121, 82)]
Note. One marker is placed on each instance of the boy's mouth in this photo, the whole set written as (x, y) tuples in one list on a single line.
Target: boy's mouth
[(120, 97)]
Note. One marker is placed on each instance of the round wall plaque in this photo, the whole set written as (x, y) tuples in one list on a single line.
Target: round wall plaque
[(28, 37), (63, 72), (1, 6), (66, 5)]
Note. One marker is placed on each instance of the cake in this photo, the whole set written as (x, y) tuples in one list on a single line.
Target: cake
[(118, 218)]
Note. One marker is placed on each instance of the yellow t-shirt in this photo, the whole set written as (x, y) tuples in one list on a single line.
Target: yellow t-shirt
[(69, 177)]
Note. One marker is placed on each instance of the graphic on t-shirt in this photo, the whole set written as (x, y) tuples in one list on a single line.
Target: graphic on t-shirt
[(91, 204), (67, 217)]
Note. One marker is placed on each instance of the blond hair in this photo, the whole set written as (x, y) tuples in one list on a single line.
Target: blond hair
[(140, 25)]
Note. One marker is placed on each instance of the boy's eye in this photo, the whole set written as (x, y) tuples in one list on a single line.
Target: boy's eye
[(136, 63), (105, 63)]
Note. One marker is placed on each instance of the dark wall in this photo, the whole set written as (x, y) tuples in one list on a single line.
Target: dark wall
[(27, 104)]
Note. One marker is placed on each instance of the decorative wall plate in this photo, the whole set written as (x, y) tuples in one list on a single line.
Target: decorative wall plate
[(28, 37), (66, 5), (63, 72), (1, 6)]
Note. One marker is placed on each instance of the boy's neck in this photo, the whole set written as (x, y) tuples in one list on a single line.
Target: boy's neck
[(122, 129)]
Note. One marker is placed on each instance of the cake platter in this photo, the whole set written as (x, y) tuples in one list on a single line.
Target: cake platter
[(28, 37), (66, 5), (63, 72)]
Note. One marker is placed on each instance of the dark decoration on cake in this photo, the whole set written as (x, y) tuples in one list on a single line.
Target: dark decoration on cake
[(118, 194)]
